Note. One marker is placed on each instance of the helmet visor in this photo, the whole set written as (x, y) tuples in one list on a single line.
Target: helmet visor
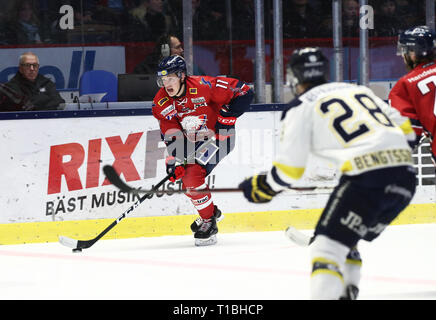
[(402, 49), (163, 81), (291, 80)]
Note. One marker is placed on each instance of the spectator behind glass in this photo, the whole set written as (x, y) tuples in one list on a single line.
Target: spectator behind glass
[(3, 23), (148, 21), (300, 20), (113, 12), (38, 91), (165, 46), (408, 12), (350, 18), (23, 26), (208, 19), (386, 19), (243, 16), (157, 19), (86, 20), (213, 25), (84, 16)]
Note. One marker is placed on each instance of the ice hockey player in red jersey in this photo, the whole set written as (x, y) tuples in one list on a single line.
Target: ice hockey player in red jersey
[(414, 94), (192, 110)]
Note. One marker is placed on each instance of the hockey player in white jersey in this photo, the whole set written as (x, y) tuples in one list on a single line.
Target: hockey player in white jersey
[(351, 127)]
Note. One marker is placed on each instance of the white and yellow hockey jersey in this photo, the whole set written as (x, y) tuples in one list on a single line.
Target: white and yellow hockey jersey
[(344, 124)]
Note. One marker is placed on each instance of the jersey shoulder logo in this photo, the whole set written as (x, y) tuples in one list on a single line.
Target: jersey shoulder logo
[(205, 82), (162, 101)]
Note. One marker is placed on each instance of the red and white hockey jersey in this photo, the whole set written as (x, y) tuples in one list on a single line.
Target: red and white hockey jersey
[(197, 112), (414, 95)]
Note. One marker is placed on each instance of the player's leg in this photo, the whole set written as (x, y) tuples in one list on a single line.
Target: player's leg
[(332, 245), (224, 148), (198, 190), (201, 198), (359, 208), (328, 260), (352, 267), (397, 196)]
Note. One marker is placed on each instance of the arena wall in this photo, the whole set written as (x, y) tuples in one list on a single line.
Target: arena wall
[(53, 184)]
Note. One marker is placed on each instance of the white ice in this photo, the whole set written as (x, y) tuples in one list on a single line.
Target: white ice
[(400, 264)]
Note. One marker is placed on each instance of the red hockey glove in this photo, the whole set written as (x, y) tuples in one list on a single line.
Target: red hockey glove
[(176, 172), (179, 172)]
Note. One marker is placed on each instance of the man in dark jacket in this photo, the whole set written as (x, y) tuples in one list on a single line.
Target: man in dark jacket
[(32, 90)]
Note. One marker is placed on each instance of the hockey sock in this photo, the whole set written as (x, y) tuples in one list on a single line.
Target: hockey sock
[(194, 181), (353, 264), (202, 201), (328, 260)]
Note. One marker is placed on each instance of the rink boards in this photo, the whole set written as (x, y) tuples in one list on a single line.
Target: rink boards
[(53, 182)]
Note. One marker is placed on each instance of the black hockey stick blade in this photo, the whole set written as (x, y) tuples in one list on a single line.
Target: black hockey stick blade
[(115, 179), (84, 244)]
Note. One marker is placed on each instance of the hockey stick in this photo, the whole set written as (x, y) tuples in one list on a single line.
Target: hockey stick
[(115, 179), (78, 245), (298, 237)]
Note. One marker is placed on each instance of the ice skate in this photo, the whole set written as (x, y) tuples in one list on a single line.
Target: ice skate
[(199, 221), (206, 233), (351, 293)]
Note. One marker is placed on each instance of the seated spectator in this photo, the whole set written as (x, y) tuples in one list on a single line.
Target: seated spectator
[(87, 28), (48, 12), (165, 46), (138, 28), (350, 18), (300, 20), (208, 19), (325, 24), (148, 21), (243, 13), (112, 11), (23, 26), (35, 91), (386, 20), (3, 33), (408, 12)]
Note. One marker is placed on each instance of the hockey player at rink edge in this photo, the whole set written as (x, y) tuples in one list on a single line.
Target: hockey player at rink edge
[(414, 93), (192, 110), (367, 140)]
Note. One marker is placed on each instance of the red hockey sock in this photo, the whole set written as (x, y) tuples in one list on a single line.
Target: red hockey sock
[(194, 181)]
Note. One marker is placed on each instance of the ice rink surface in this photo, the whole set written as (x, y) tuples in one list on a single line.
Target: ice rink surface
[(400, 264)]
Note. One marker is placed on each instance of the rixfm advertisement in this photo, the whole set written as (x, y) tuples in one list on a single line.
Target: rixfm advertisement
[(53, 167)]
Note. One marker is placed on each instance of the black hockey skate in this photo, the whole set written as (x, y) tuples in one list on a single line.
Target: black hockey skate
[(199, 221), (206, 233), (351, 293)]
